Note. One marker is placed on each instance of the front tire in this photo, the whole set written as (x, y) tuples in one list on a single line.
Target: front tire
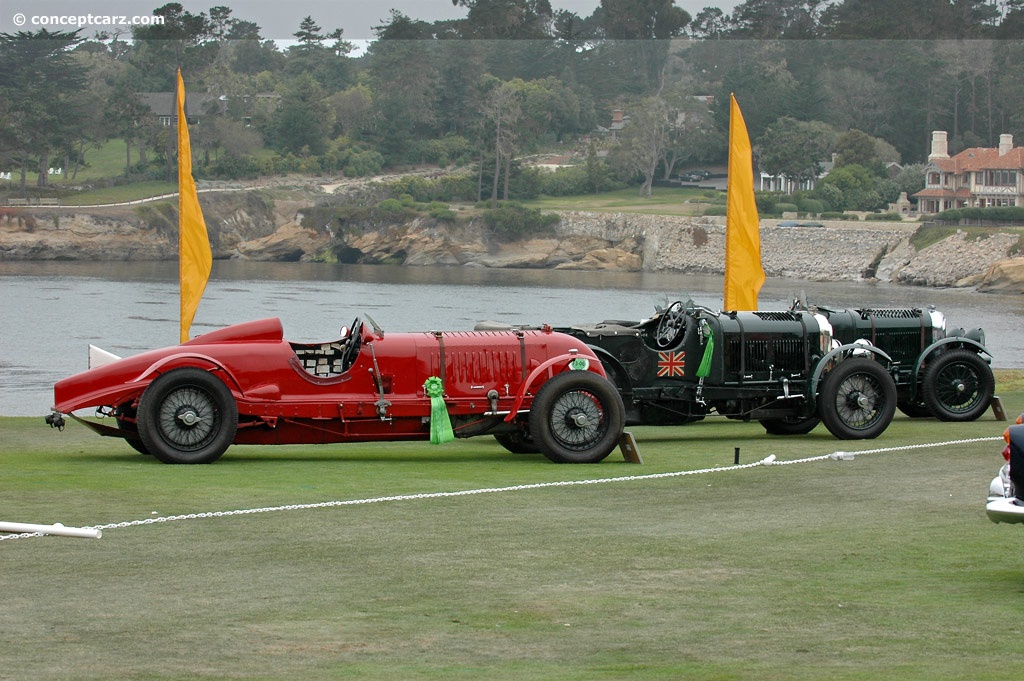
[(857, 400), (187, 416), (958, 385), (577, 417)]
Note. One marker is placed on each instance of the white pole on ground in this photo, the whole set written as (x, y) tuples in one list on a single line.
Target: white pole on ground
[(55, 529)]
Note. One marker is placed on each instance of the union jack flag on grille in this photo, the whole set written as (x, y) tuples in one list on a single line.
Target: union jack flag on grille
[(671, 364)]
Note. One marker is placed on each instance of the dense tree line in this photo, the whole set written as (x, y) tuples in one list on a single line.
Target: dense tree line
[(864, 81)]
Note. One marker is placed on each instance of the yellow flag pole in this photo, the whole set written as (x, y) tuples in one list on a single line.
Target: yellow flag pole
[(743, 272), (195, 259)]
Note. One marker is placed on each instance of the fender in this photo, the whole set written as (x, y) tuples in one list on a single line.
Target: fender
[(968, 343), (594, 367), (191, 359), (611, 365), (819, 368)]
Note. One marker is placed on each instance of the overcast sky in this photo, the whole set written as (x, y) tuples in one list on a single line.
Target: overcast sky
[(279, 19)]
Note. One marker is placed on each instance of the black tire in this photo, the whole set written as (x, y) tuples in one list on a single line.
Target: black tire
[(915, 409), (187, 416), (790, 425), (518, 442), (577, 417), (857, 399), (125, 417), (958, 385)]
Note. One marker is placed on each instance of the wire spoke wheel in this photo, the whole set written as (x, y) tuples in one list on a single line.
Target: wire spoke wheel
[(857, 399), (188, 418), (187, 415), (577, 417), (958, 386)]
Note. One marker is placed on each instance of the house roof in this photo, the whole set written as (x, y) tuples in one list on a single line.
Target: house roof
[(981, 158), (196, 104)]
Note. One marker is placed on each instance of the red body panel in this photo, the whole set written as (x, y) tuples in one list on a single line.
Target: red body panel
[(380, 397)]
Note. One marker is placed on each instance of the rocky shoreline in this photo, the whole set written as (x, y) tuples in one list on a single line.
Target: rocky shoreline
[(251, 225)]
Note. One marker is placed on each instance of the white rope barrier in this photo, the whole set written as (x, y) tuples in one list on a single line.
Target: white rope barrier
[(767, 461), (33, 530)]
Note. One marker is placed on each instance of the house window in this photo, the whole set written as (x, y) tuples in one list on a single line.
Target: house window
[(933, 178), (1000, 178)]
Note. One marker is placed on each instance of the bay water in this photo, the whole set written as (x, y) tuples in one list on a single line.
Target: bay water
[(51, 311)]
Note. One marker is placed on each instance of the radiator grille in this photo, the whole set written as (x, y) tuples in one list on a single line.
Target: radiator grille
[(903, 345), (777, 316), (482, 366), (765, 356), (905, 313)]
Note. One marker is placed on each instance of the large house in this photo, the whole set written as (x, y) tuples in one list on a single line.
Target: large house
[(975, 178), (197, 105), (785, 184), (163, 105)]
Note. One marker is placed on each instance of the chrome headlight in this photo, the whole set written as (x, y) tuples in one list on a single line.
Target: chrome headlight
[(824, 333), (938, 323)]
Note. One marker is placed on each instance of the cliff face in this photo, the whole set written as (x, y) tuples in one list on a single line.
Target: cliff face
[(1005, 276), (249, 225), (239, 224)]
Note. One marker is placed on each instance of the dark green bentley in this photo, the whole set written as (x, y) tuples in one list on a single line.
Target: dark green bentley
[(793, 369)]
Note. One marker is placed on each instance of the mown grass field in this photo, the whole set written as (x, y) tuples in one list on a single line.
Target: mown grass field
[(663, 201), (880, 567)]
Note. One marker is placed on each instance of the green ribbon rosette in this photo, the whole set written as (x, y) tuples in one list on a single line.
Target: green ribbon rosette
[(709, 349), (440, 424)]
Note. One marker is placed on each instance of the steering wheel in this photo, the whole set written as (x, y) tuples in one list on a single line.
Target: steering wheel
[(671, 324), (348, 355)]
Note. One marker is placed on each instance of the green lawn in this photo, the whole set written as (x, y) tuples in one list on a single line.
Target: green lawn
[(103, 163), (120, 194), (663, 201), (880, 567)]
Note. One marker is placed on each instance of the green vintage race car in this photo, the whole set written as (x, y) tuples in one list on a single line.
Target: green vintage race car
[(793, 369)]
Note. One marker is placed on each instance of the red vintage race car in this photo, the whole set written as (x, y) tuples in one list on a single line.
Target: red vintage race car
[(245, 384)]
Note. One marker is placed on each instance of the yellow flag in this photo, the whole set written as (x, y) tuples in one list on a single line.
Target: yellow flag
[(743, 272), (194, 256)]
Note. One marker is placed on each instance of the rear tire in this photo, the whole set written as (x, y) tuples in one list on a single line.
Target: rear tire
[(518, 442), (793, 425), (857, 399), (958, 385), (915, 409), (125, 417), (187, 416), (577, 417)]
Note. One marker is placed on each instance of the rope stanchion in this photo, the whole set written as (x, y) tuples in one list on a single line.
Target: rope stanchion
[(770, 460)]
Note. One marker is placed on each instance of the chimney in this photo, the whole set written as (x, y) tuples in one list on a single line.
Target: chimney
[(1005, 144), (940, 148)]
